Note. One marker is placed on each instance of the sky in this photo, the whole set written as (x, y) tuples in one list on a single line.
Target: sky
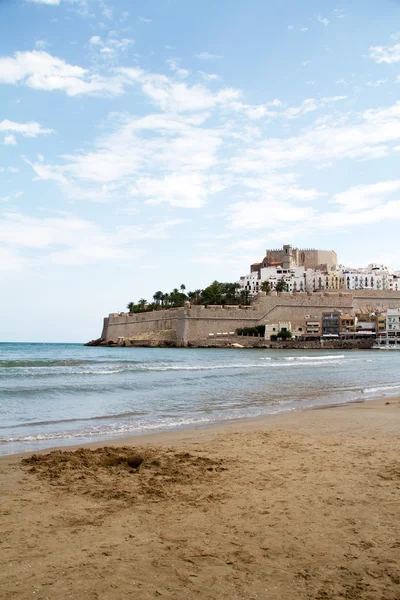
[(149, 144)]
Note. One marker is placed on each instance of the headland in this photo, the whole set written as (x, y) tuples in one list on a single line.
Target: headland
[(217, 325)]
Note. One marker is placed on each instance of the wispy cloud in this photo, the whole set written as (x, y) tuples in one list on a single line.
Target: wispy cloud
[(42, 71), (377, 83), (71, 240), (323, 20), (50, 2), (174, 65), (10, 140), (31, 129), (207, 56), (209, 76), (385, 54)]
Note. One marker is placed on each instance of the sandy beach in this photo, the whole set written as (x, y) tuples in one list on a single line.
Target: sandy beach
[(303, 506)]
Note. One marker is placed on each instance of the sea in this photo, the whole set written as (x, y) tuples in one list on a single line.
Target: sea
[(64, 394)]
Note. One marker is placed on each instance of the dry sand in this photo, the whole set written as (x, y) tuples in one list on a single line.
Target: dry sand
[(303, 506)]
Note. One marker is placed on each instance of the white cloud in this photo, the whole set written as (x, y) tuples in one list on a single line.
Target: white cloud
[(209, 76), (31, 129), (41, 70), (207, 56), (268, 213), (10, 140), (174, 65), (385, 54), (112, 46), (361, 197), (71, 240), (310, 105), (187, 190), (360, 136), (41, 44), (178, 96), (358, 205), (144, 20), (323, 20), (301, 29), (171, 165), (338, 13), (50, 2), (377, 83)]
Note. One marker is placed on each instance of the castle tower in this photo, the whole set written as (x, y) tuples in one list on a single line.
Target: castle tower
[(288, 257)]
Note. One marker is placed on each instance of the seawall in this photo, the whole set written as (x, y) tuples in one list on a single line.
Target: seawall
[(193, 323)]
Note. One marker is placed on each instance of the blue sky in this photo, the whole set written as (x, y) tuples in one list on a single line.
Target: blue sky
[(148, 144)]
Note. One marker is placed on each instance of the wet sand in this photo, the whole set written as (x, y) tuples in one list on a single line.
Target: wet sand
[(300, 506)]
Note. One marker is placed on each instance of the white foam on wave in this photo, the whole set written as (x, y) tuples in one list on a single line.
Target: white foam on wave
[(116, 429), (326, 357), (382, 388), (100, 372)]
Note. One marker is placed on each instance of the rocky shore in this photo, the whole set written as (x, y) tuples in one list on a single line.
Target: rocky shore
[(241, 342)]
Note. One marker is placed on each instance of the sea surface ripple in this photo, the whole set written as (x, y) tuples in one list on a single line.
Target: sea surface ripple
[(59, 394)]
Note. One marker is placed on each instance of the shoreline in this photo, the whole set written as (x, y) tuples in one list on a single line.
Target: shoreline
[(206, 430)]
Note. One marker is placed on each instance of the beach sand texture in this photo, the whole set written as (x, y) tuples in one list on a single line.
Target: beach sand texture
[(301, 506)]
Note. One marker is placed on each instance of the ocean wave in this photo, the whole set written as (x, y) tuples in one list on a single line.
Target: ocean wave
[(382, 388), (315, 358), (122, 415), (9, 364), (112, 430)]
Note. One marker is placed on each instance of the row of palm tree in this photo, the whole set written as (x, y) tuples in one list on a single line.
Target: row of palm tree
[(216, 293)]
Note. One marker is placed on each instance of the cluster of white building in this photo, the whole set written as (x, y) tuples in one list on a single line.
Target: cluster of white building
[(300, 279)]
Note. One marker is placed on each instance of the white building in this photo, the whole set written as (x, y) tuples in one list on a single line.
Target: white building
[(272, 329), (393, 320), (295, 279)]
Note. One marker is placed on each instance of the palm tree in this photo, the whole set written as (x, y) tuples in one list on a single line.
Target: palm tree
[(158, 297), (282, 286), (266, 287), (131, 307), (165, 300), (142, 303), (183, 287)]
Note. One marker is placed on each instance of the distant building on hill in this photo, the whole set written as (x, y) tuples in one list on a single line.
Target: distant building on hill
[(315, 271), (289, 258)]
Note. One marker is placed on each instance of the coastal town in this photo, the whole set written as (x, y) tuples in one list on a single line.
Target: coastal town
[(293, 296), (293, 270)]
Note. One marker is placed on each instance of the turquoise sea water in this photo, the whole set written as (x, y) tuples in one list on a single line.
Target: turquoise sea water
[(58, 394)]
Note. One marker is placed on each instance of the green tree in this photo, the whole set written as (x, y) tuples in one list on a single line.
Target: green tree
[(142, 303), (158, 297), (212, 294), (131, 307), (164, 300), (284, 335), (244, 297), (282, 286), (266, 287), (183, 287)]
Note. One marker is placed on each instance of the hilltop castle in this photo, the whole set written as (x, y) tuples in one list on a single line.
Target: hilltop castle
[(289, 257)]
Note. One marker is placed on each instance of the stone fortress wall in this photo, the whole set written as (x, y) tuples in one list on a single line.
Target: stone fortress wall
[(195, 323)]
